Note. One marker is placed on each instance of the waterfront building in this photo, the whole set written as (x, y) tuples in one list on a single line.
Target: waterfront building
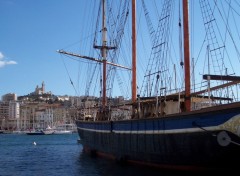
[(9, 111), (41, 114), (60, 115), (14, 115), (41, 109), (9, 97), (4, 113)]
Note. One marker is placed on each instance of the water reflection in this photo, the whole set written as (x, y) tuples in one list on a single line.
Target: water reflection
[(102, 167)]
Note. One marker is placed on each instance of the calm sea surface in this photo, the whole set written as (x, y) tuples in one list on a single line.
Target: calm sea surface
[(59, 155)]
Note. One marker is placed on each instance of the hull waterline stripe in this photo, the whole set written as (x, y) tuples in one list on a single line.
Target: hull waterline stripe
[(185, 130), (232, 125)]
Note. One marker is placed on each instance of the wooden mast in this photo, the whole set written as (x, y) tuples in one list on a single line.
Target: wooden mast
[(104, 61), (104, 55), (134, 55), (186, 57)]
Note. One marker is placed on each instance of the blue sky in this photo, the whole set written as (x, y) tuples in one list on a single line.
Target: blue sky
[(31, 32)]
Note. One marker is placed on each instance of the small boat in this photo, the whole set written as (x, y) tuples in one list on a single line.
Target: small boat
[(35, 132), (65, 129), (19, 132), (48, 130), (62, 132)]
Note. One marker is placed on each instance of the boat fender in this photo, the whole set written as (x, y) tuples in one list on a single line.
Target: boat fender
[(223, 139)]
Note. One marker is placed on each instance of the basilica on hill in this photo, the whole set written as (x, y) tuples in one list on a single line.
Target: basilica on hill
[(40, 90)]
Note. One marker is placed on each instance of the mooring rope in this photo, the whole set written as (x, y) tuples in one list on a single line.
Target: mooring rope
[(223, 138)]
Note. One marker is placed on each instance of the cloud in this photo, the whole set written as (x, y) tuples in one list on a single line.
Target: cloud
[(1, 55), (11, 62), (4, 62)]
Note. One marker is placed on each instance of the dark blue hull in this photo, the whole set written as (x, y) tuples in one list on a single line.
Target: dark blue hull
[(204, 139), (35, 133)]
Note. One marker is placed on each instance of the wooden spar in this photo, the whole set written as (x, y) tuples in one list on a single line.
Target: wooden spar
[(186, 56), (216, 87), (104, 55), (222, 77), (92, 59), (134, 60)]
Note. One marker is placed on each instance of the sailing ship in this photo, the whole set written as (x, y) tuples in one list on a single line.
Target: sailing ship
[(184, 128)]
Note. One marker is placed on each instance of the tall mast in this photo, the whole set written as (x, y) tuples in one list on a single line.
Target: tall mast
[(186, 56), (134, 55), (104, 48), (104, 54)]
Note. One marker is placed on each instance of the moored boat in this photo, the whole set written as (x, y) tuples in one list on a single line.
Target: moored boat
[(62, 132), (196, 140), (185, 129), (65, 129), (35, 132), (48, 130)]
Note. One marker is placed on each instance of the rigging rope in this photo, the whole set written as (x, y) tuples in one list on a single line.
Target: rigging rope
[(157, 61), (228, 29), (69, 76), (116, 39)]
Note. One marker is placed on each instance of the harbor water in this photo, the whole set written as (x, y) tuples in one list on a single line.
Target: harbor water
[(41, 155)]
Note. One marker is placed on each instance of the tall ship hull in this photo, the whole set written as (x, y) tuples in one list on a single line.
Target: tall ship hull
[(205, 139), (176, 117)]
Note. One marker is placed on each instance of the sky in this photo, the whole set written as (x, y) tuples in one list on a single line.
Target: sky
[(31, 31)]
